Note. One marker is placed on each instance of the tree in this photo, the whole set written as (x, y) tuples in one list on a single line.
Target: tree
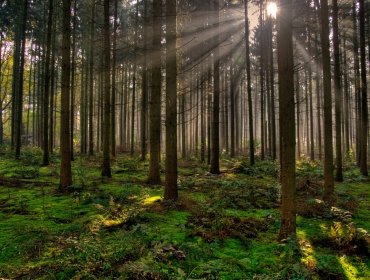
[(215, 152), (106, 170), (91, 84), (114, 75), (170, 192), (65, 143), (155, 96), (364, 106), (47, 86), (18, 72), (337, 94), (287, 124), (249, 85), (328, 126)]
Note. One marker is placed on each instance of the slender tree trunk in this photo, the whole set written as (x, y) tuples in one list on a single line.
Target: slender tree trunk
[(47, 87), (249, 85), (155, 98), (357, 83), (298, 97), (144, 97), (65, 143), (364, 105), (114, 75), (328, 126), (133, 100), (215, 152), (52, 89), (337, 94), (19, 100), (91, 83), (171, 103), (106, 170)]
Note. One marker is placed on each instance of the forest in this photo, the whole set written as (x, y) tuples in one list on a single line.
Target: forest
[(184, 139)]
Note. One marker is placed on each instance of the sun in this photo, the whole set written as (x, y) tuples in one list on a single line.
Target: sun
[(272, 9)]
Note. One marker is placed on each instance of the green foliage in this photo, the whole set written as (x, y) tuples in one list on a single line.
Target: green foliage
[(224, 227), (260, 168)]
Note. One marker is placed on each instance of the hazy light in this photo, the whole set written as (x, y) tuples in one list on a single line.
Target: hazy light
[(272, 9)]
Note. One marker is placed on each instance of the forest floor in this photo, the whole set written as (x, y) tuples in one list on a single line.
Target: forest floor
[(223, 227)]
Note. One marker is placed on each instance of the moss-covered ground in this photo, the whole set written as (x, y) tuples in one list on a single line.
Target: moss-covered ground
[(223, 227)]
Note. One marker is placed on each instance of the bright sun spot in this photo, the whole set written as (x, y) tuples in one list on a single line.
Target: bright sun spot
[(272, 9)]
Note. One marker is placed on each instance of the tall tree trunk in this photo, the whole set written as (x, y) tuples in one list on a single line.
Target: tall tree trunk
[(171, 103), (73, 78), (357, 83), (215, 152), (53, 86), (91, 82), (114, 75), (287, 124), (19, 88), (106, 170), (47, 86), (65, 143), (232, 110), (144, 94), (328, 125), (133, 100), (364, 105), (337, 94), (249, 85), (155, 98)]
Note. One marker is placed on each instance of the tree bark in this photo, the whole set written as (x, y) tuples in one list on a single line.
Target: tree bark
[(364, 105), (65, 143), (328, 125), (106, 170), (155, 98), (337, 94), (171, 192), (215, 152)]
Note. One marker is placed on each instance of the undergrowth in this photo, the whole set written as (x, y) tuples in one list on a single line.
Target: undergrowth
[(223, 227)]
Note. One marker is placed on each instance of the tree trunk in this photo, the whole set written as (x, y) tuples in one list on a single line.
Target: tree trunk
[(114, 75), (144, 94), (106, 170), (47, 87), (91, 83), (337, 94), (328, 125), (215, 152), (249, 85), (171, 103), (287, 124), (155, 98), (364, 105), (65, 143)]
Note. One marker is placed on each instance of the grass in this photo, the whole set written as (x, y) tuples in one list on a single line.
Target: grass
[(224, 227)]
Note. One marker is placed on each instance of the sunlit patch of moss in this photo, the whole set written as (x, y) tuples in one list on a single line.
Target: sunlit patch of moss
[(350, 271), (151, 200), (253, 213)]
